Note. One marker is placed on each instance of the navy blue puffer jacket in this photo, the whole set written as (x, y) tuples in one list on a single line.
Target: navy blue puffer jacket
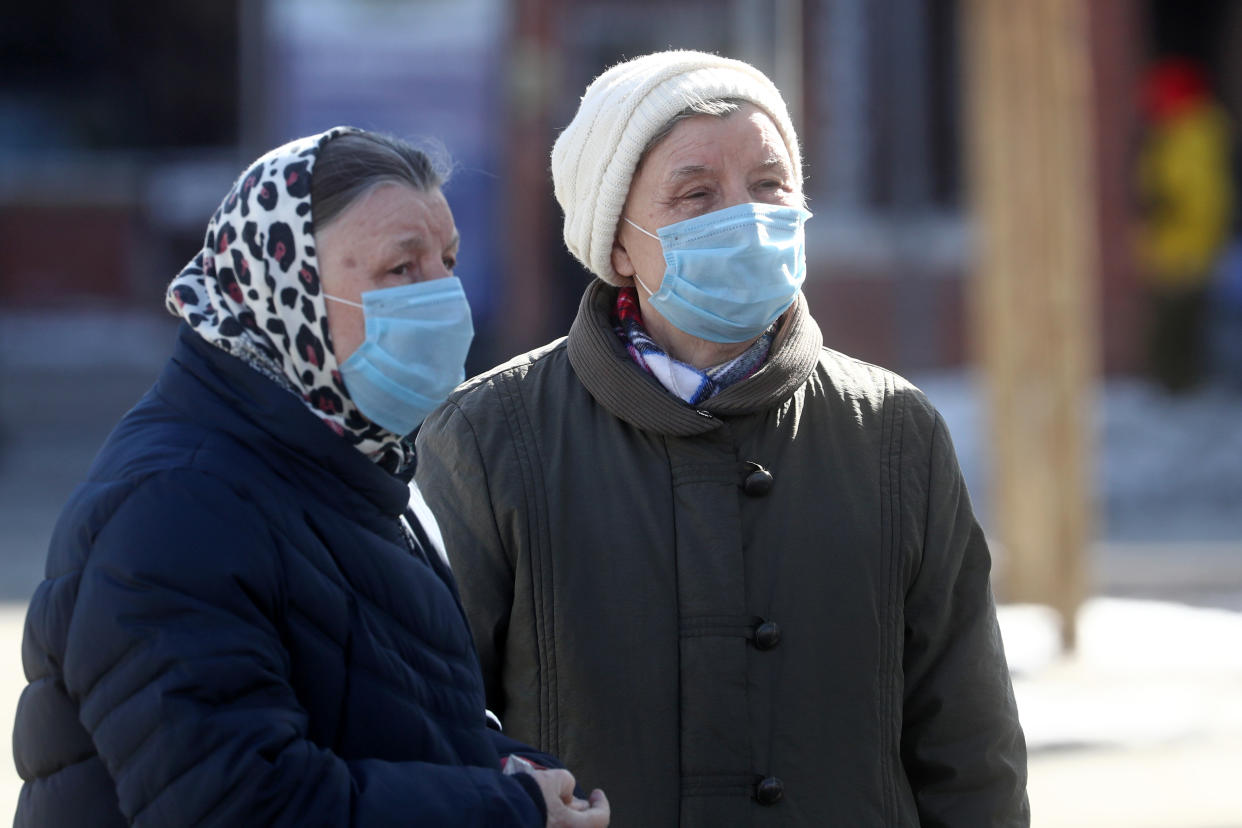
[(234, 631)]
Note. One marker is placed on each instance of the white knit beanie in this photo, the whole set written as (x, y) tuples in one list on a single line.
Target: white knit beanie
[(594, 159)]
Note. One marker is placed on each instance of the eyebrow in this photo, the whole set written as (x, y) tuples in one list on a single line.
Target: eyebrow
[(412, 243), (688, 171), (416, 243), (773, 162)]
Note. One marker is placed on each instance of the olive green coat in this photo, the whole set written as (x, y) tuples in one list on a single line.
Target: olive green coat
[(713, 652)]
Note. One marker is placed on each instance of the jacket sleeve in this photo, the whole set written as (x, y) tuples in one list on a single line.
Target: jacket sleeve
[(175, 659), (457, 485), (506, 745), (962, 745)]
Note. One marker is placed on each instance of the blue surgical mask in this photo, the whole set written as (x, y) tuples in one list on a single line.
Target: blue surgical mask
[(729, 274), (414, 353)]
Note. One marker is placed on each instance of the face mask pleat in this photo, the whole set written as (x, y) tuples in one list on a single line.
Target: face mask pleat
[(730, 273), (414, 354)]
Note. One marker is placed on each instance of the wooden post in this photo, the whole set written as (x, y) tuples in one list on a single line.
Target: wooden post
[(1032, 296), (532, 78)]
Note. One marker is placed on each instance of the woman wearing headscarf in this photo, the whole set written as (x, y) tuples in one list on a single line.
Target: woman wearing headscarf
[(731, 573), (244, 622)]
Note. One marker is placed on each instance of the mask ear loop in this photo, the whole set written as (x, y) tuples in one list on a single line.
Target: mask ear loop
[(650, 292), (344, 301), (639, 229)]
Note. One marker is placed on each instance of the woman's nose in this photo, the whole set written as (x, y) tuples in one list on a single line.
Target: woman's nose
[(734, 194)]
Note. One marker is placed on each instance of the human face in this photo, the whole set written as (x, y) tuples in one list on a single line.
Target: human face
[(393, 235), (705, 164)]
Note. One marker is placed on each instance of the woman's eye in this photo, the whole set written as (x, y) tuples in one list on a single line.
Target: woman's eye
[(401, 269), (449, 262)]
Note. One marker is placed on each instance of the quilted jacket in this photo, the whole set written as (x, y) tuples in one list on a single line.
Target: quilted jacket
[(234, 630)]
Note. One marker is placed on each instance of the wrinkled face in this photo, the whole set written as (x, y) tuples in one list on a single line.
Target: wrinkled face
[(394, 235), (705, 164)]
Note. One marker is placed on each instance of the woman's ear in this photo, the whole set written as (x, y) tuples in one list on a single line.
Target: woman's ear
[(621, 259)]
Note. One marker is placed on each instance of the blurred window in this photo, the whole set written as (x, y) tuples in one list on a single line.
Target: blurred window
[(122, 74), (882, 133)]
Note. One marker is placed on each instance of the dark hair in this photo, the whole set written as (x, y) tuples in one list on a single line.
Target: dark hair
[(349, 165)]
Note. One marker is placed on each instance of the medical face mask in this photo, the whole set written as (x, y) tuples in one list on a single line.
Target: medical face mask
[(414, 354), (729, 274)]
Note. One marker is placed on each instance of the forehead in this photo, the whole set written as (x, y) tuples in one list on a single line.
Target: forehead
[(397, 201), (397, 209), (734, 143)]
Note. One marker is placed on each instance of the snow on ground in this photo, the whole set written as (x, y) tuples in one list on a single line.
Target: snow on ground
[(1142, 726), (1168, 468)]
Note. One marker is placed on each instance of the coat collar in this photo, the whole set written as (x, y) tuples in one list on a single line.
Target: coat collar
[(225, 394), (602, 365)]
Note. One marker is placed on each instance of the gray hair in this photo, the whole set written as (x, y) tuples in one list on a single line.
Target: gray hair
[(351, 165), (716, 107)]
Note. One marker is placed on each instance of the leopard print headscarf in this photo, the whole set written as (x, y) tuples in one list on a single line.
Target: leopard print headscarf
[(253, 291)]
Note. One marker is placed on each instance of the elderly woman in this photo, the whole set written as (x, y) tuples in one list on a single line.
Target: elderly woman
[(726, 570), (244, 622)]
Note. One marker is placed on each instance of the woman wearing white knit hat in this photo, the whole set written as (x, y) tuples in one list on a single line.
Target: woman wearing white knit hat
[(727, 573)]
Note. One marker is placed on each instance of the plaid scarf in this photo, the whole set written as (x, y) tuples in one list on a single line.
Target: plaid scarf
[(683, 381)]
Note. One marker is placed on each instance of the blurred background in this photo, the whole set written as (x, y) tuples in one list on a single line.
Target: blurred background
[(1027, 209)]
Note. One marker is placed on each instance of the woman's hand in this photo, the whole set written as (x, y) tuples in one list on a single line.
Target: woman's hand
[(566, 810)]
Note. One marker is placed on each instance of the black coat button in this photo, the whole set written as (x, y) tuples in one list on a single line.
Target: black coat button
[(767, 635), (769, 791), (759, 482)]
